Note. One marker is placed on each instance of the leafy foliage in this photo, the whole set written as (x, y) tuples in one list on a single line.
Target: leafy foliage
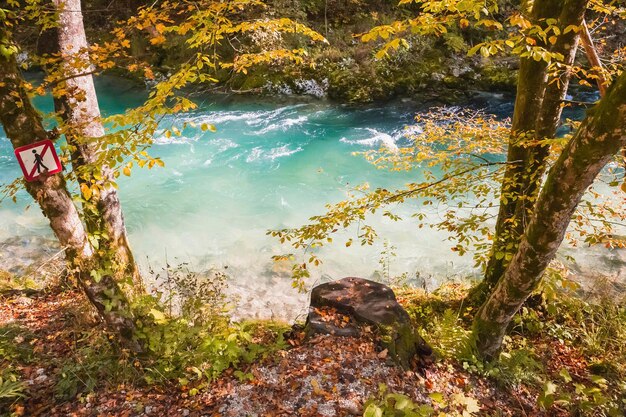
[(11, 388), (188, 333), (14, 348), (459, 153), (94, 363), (393, 404), (207, 31), (201, 298), (399, 405)]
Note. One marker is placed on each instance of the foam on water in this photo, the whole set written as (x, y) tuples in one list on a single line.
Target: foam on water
[(283, 125), (272, 154), (376, 138)]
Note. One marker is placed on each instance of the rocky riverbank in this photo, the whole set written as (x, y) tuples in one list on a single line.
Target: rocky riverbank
[(35, 260)]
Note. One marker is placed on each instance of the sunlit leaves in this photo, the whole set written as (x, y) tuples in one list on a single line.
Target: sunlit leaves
[(456, 152), (205, 127), (434, 19), (207, 28), (86, 191), (515, 34), (460, 154)]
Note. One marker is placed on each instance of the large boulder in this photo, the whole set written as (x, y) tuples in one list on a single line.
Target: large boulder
[(346, 306)]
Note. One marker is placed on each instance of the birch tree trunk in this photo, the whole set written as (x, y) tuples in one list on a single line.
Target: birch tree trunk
[(601, 135), (536, 117), (80, 110), (23, 126)]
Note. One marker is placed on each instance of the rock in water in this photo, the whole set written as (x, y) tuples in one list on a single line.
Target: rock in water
[(366, 302)]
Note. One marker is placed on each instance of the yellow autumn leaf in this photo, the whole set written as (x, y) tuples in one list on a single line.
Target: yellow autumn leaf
[(157, 40), (158, 316), (86, 191)]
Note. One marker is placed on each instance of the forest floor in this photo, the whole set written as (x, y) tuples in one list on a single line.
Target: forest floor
[(47, 332)]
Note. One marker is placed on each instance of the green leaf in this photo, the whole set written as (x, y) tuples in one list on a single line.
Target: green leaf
[(159, 317), (437, 398), (473, 50), (402, 402), (373, 410), (598, 380), (95, 275)]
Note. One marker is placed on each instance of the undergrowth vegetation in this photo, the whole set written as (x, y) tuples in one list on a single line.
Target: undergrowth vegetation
[(12, 387), (186, 328), (567, 345), (188, 332)]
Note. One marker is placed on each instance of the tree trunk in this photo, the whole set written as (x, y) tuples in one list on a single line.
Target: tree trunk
[(537, 113), (601, 135), (549, 115), (79, 109), (530, 90), (23, 126)]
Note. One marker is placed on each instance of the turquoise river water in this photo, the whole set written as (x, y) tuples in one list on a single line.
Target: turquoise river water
[(272, 163)]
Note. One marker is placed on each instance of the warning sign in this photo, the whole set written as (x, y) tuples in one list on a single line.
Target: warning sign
[(37, 159)]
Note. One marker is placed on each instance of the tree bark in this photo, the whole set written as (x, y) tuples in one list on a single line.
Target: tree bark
[(23, 126), (536, 117), (601, 135), (549, 116), (530, 90), (80, 111)]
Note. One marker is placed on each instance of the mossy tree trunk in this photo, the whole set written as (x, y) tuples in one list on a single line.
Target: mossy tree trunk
[(78, 107), (549, 116), (23, 126), (601, 135), (538, 107)]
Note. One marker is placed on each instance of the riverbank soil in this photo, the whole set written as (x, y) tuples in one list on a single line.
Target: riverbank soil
[(552, 366)]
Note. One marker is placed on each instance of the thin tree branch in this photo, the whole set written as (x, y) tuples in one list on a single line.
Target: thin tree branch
[(593, 58), (446, 178)]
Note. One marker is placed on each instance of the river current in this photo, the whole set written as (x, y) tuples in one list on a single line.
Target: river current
[(272, 163)]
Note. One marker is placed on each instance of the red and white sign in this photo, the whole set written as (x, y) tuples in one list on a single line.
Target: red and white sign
[(38, 159)]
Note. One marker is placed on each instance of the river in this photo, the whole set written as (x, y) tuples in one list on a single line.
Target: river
[(272, 163)]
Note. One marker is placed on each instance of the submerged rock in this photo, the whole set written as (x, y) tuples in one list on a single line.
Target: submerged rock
[(345, 306), (31, 258)]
